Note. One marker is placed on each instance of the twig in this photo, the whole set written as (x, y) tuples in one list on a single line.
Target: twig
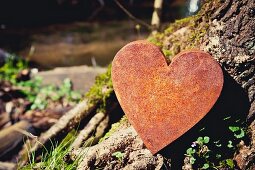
[(131, 16), (101, 3)]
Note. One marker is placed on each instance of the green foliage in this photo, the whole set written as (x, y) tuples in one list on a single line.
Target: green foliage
[(238, 131), (208, 153), (156, 39), (40, 95), (183, 34), (102, 88), (228, 163), (202, 157), (55, 158), (35, 92), (119, 155), (200, 152), (12, 67)]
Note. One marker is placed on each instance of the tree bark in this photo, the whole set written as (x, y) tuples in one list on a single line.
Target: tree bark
[(231, 40)]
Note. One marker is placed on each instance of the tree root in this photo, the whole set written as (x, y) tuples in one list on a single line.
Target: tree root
[(7, 166), (88, 130), (13, 135), (126, 143), (100, 131), (66, 123)]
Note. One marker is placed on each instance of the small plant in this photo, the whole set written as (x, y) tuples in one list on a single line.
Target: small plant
[(55, 158), (12, 67), (119, 155), (199, 151), (205, 153), (238, 131), (39, 95)]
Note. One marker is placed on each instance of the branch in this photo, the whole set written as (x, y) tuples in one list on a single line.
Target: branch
[(131, 16)]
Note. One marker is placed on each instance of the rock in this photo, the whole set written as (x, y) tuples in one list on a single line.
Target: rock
[(82, 77)]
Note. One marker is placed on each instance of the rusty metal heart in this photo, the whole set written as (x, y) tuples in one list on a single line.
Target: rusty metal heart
[(163, 101)]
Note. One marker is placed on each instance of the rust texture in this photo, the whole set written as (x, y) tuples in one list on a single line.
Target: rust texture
[(163, 102)]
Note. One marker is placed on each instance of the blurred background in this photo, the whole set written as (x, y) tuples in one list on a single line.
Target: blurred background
[(75, 32)]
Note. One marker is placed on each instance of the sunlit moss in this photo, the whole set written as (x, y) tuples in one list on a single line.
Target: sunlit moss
[(184, 34), (102, 88)]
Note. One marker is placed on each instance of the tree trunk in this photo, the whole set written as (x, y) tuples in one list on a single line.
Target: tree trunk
[(155, 20)]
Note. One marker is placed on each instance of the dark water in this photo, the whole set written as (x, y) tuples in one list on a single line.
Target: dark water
[(73, 43)]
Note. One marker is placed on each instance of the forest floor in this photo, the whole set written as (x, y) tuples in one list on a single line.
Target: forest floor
[(33, 101)]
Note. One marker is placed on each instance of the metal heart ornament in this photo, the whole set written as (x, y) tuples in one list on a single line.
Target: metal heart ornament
[(162, 101)]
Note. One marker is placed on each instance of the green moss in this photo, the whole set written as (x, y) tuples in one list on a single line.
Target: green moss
[(179, 24), (194, 29), (123, 122), (102, 88), (156, 39), (167, 53)]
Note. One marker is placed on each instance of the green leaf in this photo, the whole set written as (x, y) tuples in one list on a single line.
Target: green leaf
[(230, 144), (206, 139), (217, 143), (67, 83), (200, 140), (192, 160), (205, 166), (230, 163), (75, 95), (240, 135), (190, 151), (33, 106), (226, 118), (119, 155), (234, 128), (218, 156)]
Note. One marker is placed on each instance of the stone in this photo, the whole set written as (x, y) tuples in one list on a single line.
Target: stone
[(164, 101), (82, 77)]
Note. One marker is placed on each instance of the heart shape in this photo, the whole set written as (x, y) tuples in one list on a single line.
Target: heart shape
[(163, 102)]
